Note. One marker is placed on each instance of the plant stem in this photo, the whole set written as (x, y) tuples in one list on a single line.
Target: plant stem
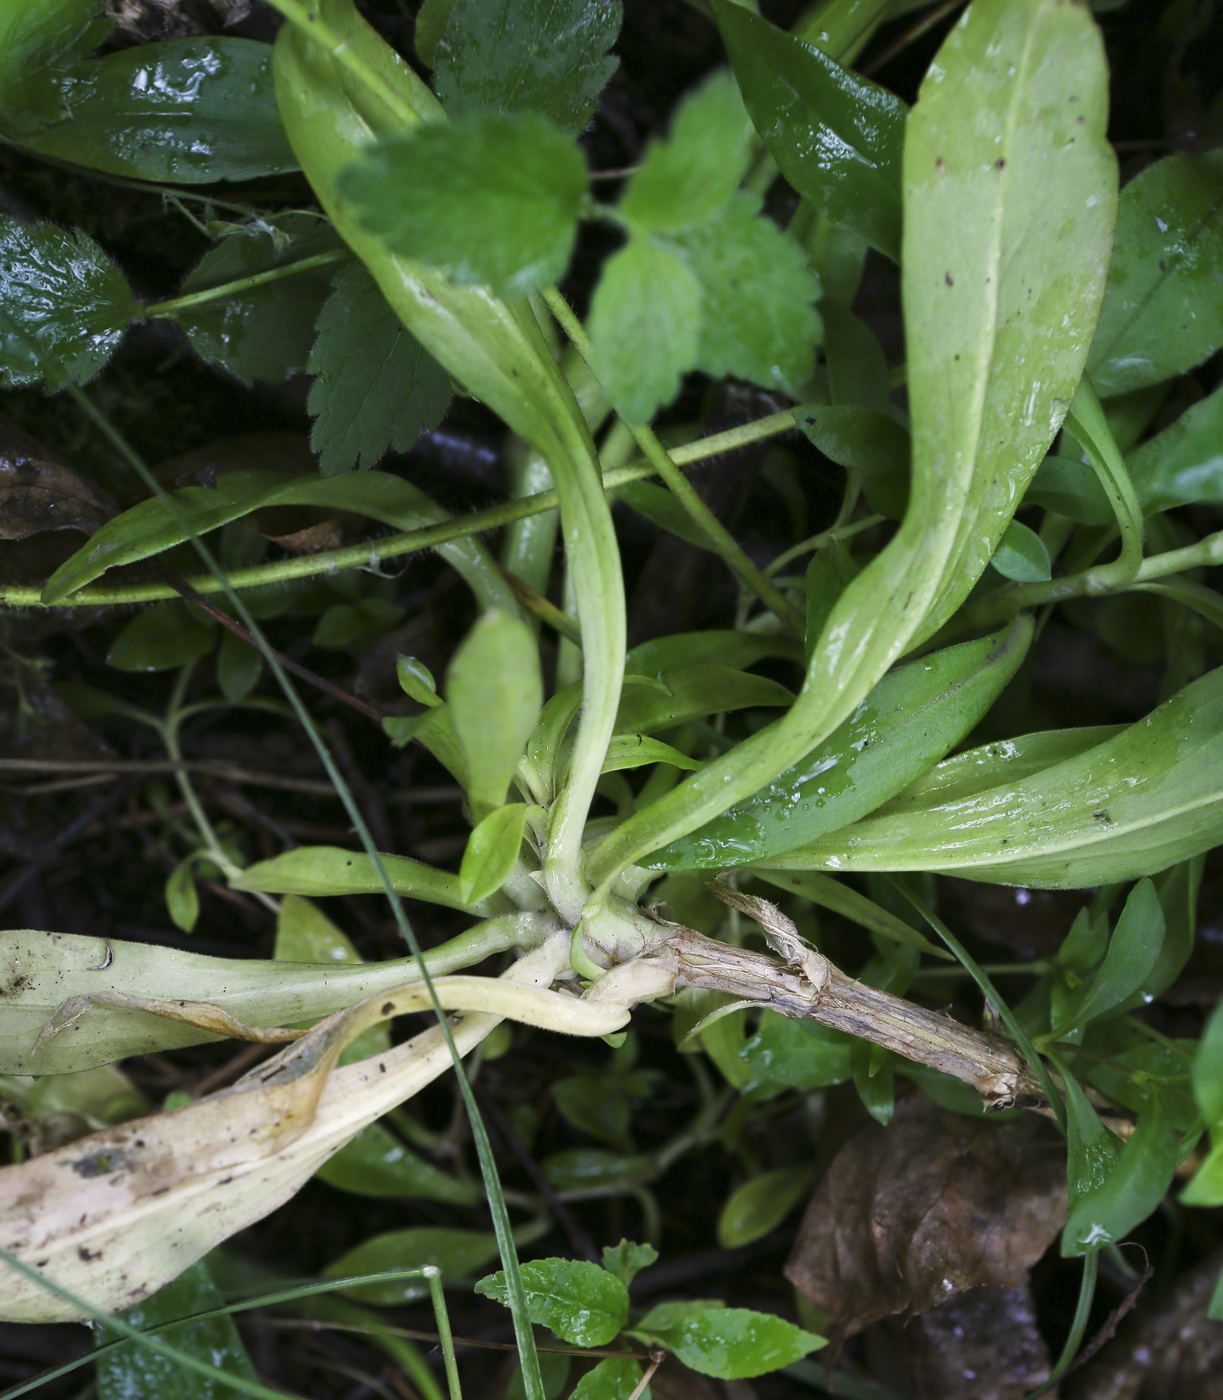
[(815, 543), (409, 542), (155, 310), (727, 547)]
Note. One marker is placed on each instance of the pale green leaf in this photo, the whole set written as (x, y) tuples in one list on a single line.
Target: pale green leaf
[(694, 170), (375, 386), (636, 750), (182, 898), (758, 1206), (1021, 555), (491, 200), (492, 849)]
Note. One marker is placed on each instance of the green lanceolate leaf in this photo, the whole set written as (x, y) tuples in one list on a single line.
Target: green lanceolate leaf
[(182, 898), (1132, 1188), (1092, 1150), (544, 56), (1072, 489), (1164, 305), (635, 751), (997, 323), (828, 575), (857, 365), (131, 1370), (184, 111), (907, 723), (734, 650), (375, 1163), (580, 1302), (644, 326), (835, 136), (1140, 801), (1184, 463), (64, 305), (867, 441), (663, 508), (1132, 954), (375, 387), (265, 331), (495, 694), (492, 849), (761, 1204), (149, 528), (691, 693), (728, 1343), (1208, 1070), (492, 200), (690, 174), (1021, 555), (458, 1253)]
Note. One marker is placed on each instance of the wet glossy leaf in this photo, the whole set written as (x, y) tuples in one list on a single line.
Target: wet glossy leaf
[(907, 723), (758, 318), (492, 849), (494, 200), (644, 326), (869, 442), (1130, 806), (540, 56), (835, 136), (1021, 555), (431, 21), (935, 1203), (458, 1253), (186, 111), (579, 1301), (690, 174), (612, 1379), (1072, 489), (761, 1204), (495, 693), (375, 386), (1163, 308), (728, 1343), (265, 331), (636, 750), (1132, 1189), (692, 693), (1092, 1149), (789, 1054), (161, 638), (375, 1163), (65, 304), (182, 898), (1184, 463), (626, 1259), (131, 1370)]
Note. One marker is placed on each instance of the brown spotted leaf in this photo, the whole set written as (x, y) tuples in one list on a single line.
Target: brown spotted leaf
[(910, 1215), (40, 491), (981, 1345)]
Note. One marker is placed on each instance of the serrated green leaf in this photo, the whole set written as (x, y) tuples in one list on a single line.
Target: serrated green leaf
[(491, 200), (644, 326), (375, 385), (1021, 555), (162, 637), (183, 111), (690, 174), (727, 1343), (1163, 308), (910, 720), (131, 1370), (758, 295), (1131, 1190), (492, 849), (64, 304), (182, 898), (495, 693), (265, 331), (375, 1163), (626, 1259), (1132, 805), (835, 136), (758, 1206), (614, 1378), (544, 56), (579, 1301), (458, 1253)]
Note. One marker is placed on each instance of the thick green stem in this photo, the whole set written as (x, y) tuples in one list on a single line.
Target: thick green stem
[(156, 310)]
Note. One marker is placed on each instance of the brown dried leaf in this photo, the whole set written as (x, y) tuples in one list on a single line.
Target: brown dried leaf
[(909, 1215), (982, 1345), (1168, 1349), (40, 491)]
